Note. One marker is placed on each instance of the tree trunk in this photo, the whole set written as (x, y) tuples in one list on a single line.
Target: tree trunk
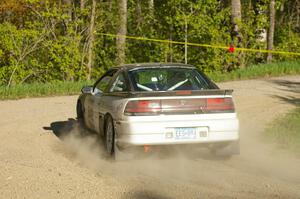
[(91, 40), (82, 4), (297, 14), (68, 4), (139, 13), (122, 31), (151, 4), (151, 7), (236, 17), (110, 3), (271, 29), (185, 39)]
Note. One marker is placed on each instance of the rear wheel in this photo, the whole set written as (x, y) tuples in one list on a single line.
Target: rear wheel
[(112, 150), (109, 136)]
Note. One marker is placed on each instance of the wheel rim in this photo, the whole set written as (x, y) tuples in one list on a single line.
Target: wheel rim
[(109, 137)]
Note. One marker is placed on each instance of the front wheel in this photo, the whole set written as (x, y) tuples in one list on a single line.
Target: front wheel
[(80, 114)]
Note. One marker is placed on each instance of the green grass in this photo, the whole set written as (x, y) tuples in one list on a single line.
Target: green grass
[(70, 88), (285, 131), (39, 90), (259, 71)]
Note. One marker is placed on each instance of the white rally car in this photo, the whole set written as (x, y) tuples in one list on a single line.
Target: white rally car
[(159, 104)]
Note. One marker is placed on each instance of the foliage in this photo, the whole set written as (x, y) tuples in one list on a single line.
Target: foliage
[(47, 41), (17, 48), (46, 49)]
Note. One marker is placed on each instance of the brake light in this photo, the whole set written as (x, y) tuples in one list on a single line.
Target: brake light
[(220, 104), (143, 106)]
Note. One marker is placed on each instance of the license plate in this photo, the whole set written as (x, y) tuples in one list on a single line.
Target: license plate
[(185, 133)]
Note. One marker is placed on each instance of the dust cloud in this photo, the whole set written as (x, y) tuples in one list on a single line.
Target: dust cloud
[(167, 164), (186, 165), (84, 147)]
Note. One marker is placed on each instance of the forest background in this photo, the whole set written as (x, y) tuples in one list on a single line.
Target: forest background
[(44, 41)]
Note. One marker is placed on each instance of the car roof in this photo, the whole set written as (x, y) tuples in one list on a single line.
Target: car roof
[(154, 65)]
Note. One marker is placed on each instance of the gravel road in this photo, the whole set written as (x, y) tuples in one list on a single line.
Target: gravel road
[(42, 154)]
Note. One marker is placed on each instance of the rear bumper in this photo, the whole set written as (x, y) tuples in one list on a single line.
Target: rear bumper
[(159, 130)]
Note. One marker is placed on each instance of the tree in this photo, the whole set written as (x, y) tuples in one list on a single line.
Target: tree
[(186, 19), (16, 47), (91, 39), (14, 11), (271, 29), (151, 7), (82, 4), (236, 18), (122, 31), (68, 4)]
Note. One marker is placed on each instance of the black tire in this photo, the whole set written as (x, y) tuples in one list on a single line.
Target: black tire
[(80, 114), (109, 136), (112, 150), (79, 110)]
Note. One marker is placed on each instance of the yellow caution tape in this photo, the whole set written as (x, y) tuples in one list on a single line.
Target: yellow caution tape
[(200, 45)]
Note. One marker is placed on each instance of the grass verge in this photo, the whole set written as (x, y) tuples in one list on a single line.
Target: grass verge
[(285, 131), (259, 71), (39, 90), (70, 88)]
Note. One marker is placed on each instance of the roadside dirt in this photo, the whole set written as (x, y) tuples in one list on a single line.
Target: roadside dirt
[(43, 155)]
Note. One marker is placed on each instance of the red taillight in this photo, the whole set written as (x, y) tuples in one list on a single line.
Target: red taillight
[(143, 106), (220, 104)]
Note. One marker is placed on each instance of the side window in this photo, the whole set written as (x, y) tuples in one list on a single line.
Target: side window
[(104, 82), (120, 84)]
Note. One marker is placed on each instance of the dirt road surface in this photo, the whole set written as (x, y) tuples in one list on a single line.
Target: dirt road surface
[(36, 162)]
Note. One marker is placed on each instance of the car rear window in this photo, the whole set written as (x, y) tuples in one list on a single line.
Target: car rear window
[(168, 79)]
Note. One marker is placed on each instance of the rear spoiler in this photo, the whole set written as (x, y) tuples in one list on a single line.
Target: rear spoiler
[(181, 93)]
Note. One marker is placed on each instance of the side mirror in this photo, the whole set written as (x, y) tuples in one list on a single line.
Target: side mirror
[(87, 90), (97, 91)]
